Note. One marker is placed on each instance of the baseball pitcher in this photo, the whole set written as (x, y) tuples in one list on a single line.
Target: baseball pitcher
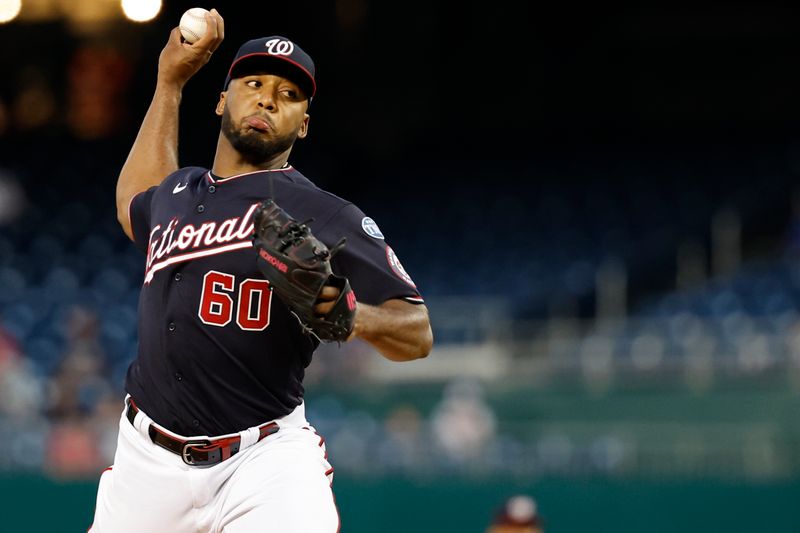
[(249, 266)]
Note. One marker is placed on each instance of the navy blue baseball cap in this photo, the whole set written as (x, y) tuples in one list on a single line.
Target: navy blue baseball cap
[(275, 54)]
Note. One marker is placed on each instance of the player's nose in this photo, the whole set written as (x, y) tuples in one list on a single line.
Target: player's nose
[(266, 101)]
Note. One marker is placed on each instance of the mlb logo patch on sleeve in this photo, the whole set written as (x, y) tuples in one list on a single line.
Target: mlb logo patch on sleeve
[(371, 228)]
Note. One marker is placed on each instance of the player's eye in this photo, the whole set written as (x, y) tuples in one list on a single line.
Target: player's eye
[(289, 93), (255, 84)]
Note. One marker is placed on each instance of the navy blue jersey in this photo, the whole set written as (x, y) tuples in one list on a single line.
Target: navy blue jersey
[(219, 353)]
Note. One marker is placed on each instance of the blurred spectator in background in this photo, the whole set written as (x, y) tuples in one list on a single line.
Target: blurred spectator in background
[(9, 351), (79, 382), (463, 424), (78, 391), (105, 424), (404, 444), (72, 449), (20, 390), (519, 514)]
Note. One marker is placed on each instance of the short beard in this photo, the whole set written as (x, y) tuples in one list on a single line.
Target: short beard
[(252, 147)]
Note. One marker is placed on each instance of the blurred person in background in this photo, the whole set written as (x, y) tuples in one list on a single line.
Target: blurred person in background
[(463, 424), (404, 444), (20, 389), (519, 514), (80, 379), (74, 448)]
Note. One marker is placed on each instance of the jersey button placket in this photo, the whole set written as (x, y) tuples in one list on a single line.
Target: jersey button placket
[(201, 208), (212, 189)]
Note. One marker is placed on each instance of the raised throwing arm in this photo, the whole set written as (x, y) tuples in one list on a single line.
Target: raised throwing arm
[(154, 154)]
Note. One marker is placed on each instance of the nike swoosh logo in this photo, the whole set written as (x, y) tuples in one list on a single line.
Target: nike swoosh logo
[(179, 187)]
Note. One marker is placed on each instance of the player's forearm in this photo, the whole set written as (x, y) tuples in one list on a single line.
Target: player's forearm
[(154, 154), (399, 330)]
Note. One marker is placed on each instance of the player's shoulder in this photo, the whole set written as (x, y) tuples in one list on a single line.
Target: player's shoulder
[(188, 175), (345, 217), (320, 196)]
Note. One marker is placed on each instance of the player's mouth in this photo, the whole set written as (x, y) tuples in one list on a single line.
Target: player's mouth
[(258, 123)]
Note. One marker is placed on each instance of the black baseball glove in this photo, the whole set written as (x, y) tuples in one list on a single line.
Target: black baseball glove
[(297, 266)]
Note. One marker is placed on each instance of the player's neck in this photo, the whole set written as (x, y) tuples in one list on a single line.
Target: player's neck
[(229, 162)]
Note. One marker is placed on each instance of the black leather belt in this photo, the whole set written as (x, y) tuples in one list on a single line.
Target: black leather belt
[(199, 452)]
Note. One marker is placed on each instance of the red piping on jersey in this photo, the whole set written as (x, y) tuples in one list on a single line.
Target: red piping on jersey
[(229, 178)]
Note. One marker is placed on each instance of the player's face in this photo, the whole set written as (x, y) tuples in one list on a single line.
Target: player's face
[(262, 115)]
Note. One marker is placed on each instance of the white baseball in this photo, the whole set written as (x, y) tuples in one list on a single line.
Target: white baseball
[(193, 24)]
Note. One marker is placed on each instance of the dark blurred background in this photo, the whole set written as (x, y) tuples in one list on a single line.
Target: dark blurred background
[(599, 204)]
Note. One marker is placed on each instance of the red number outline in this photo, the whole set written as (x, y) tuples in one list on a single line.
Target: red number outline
[(244, 310), (217, 305)]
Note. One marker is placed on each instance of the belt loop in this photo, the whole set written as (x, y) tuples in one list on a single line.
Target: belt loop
[(249, 437), (142, 424), (138, 419)]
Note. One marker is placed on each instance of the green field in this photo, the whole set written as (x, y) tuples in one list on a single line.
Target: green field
[(402, 506)]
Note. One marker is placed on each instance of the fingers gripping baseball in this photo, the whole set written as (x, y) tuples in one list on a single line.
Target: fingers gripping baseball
[(179, 60)]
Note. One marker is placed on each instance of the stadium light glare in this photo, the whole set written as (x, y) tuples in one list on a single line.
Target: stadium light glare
[(141, 10), (9, 9)]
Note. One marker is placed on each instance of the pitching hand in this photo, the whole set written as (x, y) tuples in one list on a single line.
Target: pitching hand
[(326, 301), (327, 297), (179, 61)]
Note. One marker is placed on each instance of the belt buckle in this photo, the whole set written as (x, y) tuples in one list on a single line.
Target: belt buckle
[(186, 454)]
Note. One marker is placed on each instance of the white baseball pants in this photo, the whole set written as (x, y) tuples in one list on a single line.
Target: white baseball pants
[(281, 484)]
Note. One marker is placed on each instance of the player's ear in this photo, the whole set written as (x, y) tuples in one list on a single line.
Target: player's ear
[(221, 104), (304, 127)]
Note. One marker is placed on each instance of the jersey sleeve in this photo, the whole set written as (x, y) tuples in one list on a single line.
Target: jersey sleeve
[(139, 210), (375, 273)]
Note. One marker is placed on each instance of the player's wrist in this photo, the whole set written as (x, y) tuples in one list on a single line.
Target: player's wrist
[(357, 328), (169, 89)]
